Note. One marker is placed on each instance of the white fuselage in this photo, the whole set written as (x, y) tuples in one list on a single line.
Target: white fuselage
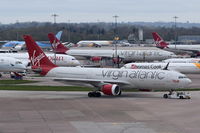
[(138, 79), (61, 60), (9, 64), (126, 55), (182, 60), (186, 68), (89, 43)]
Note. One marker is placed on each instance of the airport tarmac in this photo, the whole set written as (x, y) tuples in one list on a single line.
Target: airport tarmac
[(74, 112)]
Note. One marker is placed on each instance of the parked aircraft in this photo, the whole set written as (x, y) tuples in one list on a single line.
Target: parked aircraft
[(9, 64), (60, 60), (182, 60), (20, 45), (125, 55), (186, 68), (195, 49), (107, 80), (94, 43)]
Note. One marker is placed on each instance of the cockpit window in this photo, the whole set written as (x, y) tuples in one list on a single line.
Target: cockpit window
[(18, 62), (182, 77), (73, 59)]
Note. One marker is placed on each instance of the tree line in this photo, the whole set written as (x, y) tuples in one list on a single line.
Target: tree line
[(75, 32)]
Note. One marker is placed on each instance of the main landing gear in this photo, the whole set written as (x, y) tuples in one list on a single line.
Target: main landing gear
[(177, 95), (94, 94)]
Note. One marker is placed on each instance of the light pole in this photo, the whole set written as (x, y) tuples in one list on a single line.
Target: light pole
[(98, 25), (115, 39), (54, 17), (69, 31), (116, 32), (175, 37)]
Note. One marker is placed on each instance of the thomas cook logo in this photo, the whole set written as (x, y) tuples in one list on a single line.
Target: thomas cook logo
[(35, 60)]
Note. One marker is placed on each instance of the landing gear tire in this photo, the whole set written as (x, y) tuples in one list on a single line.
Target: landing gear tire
[(97, 94), (90, 94), (94, 94), (165, 96), (120, 93)]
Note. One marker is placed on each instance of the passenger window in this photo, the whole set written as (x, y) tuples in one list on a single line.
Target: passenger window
[(181, 77)]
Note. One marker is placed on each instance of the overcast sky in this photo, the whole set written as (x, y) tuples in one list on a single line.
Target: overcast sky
[(99, 10)]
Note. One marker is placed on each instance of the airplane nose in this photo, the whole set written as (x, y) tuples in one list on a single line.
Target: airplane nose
[(23, 66), (189, 81), (76, 63)]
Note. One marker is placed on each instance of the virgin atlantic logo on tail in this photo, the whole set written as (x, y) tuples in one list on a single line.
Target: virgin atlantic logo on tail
[(158, 41), (55, 44), (35, 60)]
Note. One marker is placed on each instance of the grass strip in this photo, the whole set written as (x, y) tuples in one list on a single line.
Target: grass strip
[(8, 82), (43, 88), (66, 88)]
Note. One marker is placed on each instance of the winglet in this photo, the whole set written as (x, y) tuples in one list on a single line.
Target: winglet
[(160, 43), (57, 46), (166, 67), (37, 57)]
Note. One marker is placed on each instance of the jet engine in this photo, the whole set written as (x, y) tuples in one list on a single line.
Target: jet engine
[(111, 89)]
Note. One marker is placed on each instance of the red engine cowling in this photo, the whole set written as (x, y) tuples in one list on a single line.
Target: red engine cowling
[(116, 60), (95, 58), (111, 89)]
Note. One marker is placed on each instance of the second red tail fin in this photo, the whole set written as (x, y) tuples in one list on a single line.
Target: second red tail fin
[(37, 57), (159, 41), (57, 46)]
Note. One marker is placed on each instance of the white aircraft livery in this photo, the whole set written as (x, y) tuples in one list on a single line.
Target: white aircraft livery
[(182, 60), (94, 43), (125, 55), (9, 64), (106, 80), (186, 68), (61, 60)]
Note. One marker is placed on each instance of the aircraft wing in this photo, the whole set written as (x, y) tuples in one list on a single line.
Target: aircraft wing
[(90, 56), (190, 52), (181, 51), (95, 82), (194, 51)]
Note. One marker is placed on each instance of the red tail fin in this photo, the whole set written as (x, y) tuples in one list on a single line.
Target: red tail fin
[(37, 57), (57, 46), (159, 41)]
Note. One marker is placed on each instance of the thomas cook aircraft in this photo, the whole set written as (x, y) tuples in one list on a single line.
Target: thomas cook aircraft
[(186, 68)]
